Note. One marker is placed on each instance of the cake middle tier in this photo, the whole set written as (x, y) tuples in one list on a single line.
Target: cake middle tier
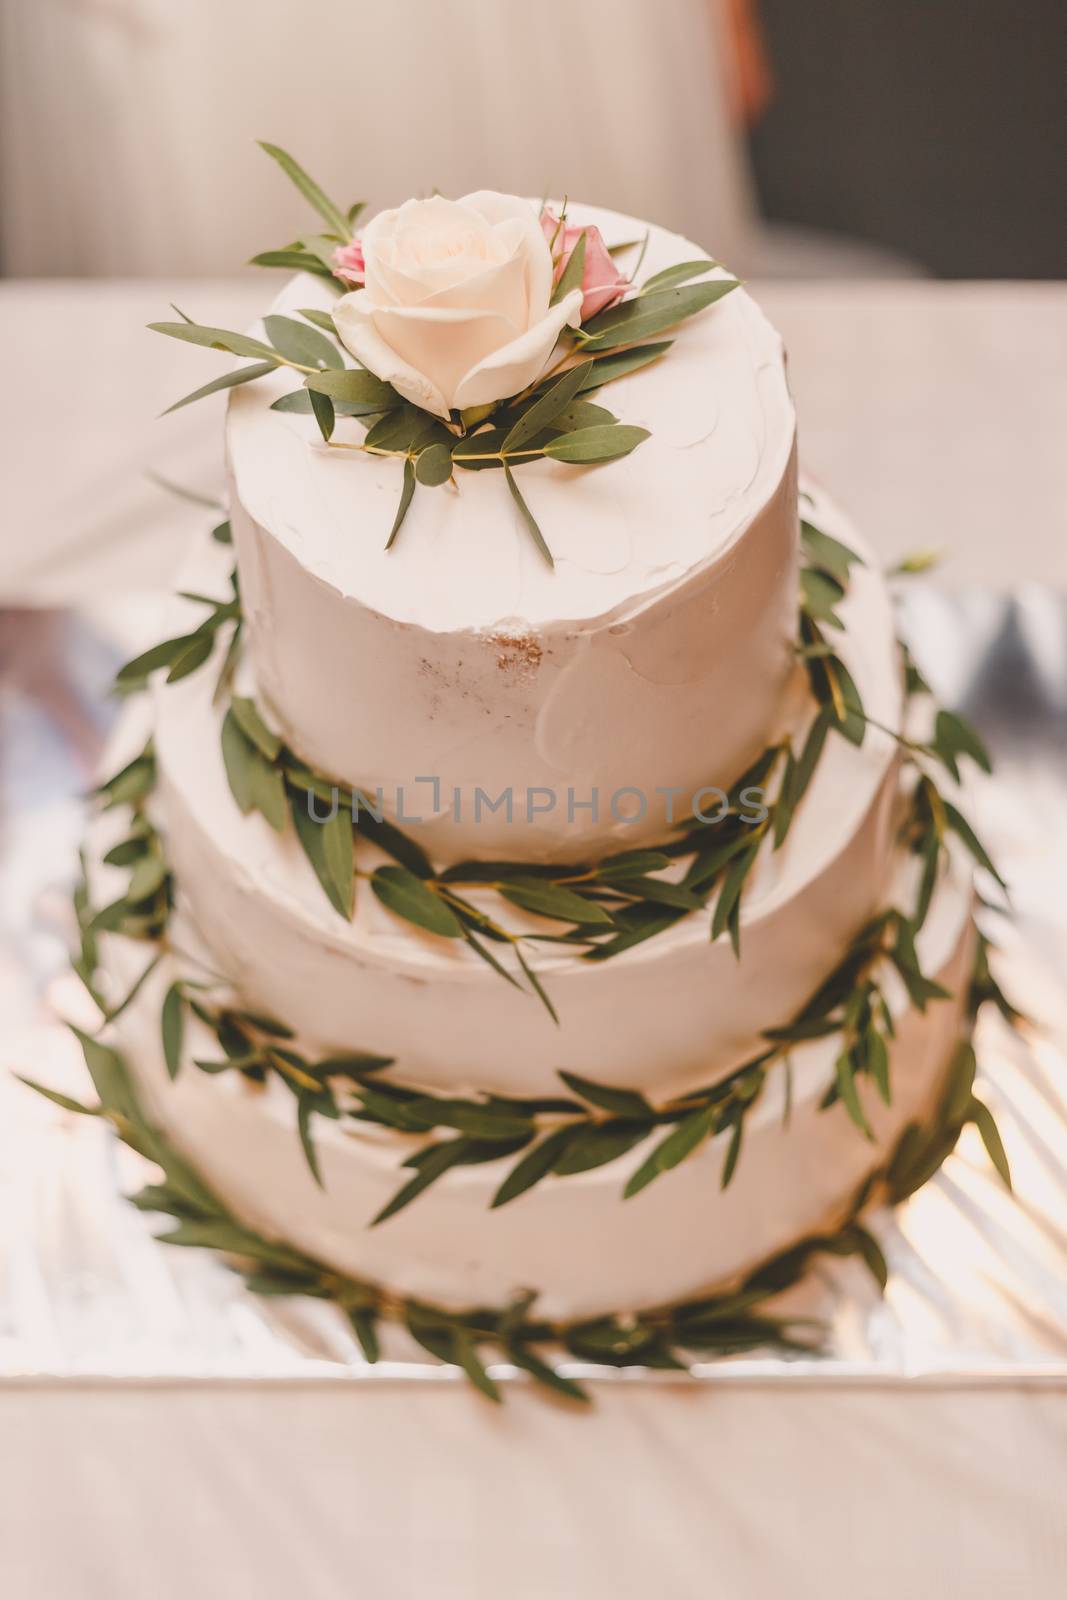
[(655, 653), (663, 1016)]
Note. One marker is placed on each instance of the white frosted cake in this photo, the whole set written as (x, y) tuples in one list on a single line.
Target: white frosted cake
[(565, 878)]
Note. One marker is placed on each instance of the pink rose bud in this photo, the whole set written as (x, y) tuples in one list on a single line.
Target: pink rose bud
[(348, 263), (602, 282)]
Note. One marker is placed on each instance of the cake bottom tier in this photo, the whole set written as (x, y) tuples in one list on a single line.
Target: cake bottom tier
[(574, 1241)]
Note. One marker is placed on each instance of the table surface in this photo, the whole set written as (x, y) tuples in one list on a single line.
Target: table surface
[(936, 413)]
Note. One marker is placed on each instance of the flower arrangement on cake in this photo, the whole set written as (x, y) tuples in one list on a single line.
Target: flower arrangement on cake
[(677, 978), (475, 325)]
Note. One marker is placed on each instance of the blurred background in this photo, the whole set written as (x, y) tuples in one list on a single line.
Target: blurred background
[(876, 169), (823, 138)]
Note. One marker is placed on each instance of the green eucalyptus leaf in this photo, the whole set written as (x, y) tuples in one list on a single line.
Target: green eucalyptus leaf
[(338, 858), (990, 1134), (620, 1102), (635, 926), (679, 1143), (958, 1092), (436, 1160), (407, 494), (407, 429), (253, 727), (299, 342), (583, 414), (320, 319), (331, 214), (528, 517), (844, 1071), (237, 752), (632, 864), (963, 830), (465, 1355), (534, 1166), (955, 737), (868, 1248), (598, 1143), (659, 891), (918, 561), (127, 852), (480, 1119), (359, 387), (195, 653), (820, 593), (292, 261), (652, 313), (147, 878), (546, 408), (606, 369), (267, 790), (587, 446), (110, 1078), (323, 845), (728, 904), (572, 274), (521, 1356), (829, 553), (407, 896), (305, 1108), (489, 958), (238, 344), (323, 412), (299, 403), (478, 452), (57, 1099), (164, 654), (545, 899), (535, 983), (681, 272), (322, 247), (229, 380), (364, 1326), (433, 466), (733, 1152), (809, 756), (877, 1056)]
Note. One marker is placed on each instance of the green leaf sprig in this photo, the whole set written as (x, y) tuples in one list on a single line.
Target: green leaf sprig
[(187, 652)]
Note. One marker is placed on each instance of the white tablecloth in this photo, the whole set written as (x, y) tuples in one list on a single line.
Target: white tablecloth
[(937, 414)]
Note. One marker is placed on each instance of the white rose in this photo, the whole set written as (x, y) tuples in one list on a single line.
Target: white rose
[(455, 307)]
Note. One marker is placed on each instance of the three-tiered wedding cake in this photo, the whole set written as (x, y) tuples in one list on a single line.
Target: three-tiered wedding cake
[(547, 902)]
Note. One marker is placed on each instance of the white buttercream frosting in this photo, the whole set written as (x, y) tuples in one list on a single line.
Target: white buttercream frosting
[(664, 1015)]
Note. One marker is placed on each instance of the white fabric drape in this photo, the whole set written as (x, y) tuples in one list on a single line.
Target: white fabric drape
[(127, 127)]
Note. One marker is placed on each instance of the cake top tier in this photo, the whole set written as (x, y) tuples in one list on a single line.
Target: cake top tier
[(720, 424)]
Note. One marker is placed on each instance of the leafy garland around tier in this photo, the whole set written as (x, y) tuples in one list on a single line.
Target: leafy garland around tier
[(549, 420), (596, 1123), (607, 906), (729, 1322)]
